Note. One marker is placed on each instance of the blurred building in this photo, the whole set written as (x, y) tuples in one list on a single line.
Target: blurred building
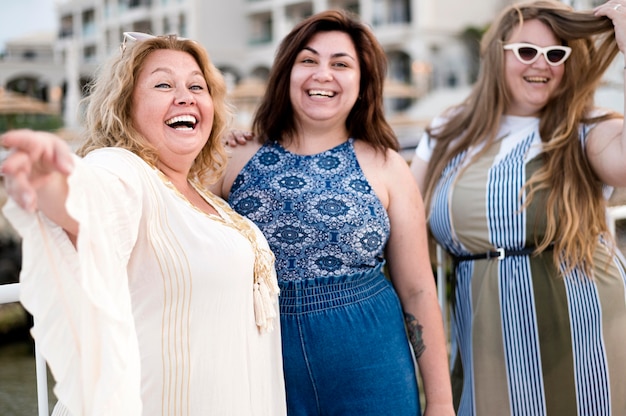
[(30, 66), (432, 46)]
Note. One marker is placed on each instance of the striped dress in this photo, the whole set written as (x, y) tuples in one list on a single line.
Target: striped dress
[(531, 340)]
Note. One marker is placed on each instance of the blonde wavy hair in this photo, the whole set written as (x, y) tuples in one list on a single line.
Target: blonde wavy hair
[(108, 105), (575, 203)]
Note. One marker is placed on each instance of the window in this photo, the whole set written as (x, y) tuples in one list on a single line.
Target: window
[(391, 11)]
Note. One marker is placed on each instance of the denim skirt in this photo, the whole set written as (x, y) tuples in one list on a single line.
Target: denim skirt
[(345, 349)]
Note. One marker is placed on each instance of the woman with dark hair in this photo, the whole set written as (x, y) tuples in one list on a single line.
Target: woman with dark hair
[(516, 179), (339, 207)]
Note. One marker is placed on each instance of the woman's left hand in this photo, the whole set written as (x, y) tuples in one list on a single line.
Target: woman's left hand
[(616, 11)]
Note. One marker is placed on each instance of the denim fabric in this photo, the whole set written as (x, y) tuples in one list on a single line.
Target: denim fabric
[(345, 349)]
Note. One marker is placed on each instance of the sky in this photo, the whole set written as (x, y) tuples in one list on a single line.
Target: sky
[(23, 17)]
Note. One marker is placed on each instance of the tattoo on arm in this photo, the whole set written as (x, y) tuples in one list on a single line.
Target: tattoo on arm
[(414, 332)]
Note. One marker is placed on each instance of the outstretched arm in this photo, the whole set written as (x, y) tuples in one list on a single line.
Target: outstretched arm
[(36, 172)]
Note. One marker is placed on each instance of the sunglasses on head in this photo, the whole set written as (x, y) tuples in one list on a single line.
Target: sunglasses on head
[(133, 37), (528, 53), (137, 36)]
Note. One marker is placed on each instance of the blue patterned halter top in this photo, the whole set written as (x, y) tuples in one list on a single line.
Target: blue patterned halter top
[(319, 214)]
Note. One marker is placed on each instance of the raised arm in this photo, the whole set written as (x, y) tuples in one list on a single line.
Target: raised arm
[(36, 172), (606, 144)]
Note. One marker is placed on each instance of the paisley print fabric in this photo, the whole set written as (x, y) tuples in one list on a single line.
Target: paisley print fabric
[(318, 213)]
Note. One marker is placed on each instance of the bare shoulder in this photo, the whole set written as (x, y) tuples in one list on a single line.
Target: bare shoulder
[(386, 171), (370, 158)]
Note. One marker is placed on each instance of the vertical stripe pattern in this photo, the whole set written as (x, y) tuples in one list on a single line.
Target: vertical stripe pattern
[(532, 341)]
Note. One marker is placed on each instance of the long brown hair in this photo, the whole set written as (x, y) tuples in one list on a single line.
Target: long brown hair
[(108, 106), (274, 119), (575, 205)]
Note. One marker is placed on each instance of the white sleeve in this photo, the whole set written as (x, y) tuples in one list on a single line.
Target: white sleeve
[(424, 149), (426, 145), (79, 297)]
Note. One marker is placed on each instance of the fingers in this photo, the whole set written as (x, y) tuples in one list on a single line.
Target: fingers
[(616, 11), (611, 9), (44, 151), (19, 188), (16, 170), (33, 158), (235, 138)]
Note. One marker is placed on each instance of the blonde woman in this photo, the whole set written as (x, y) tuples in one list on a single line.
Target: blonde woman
[(150, 295)]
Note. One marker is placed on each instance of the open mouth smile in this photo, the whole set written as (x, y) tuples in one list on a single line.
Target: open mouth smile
[(187, 122)]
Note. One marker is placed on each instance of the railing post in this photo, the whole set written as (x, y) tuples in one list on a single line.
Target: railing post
[(615, 213), (42, 383), (10, 293), (441, 287)]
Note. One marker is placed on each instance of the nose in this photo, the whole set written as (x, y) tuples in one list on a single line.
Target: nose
[(322, 74), (184, 97), (542, 61)]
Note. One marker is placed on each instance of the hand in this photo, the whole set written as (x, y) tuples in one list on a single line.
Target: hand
[(35, 159), (616, 11), (235, 138)]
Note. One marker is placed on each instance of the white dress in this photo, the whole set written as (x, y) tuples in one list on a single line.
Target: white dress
[(153, 312)]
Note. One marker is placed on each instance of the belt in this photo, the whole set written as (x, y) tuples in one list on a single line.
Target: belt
[(499, 253)]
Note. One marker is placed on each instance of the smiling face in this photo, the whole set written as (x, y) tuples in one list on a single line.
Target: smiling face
[(531, 85), (324, 83), (172, 108)]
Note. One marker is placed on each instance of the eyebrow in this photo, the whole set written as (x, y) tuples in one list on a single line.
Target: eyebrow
[(334, 55), (169, 71)]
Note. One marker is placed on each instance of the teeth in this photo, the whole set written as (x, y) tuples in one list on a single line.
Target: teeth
[(186, 122), (537, 79), (181, 119), (322, 93)]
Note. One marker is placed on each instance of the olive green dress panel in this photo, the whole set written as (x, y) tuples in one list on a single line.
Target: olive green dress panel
[(532, 340)]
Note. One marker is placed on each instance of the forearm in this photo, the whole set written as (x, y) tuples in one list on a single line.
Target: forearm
[(425, 331), (51, 199)]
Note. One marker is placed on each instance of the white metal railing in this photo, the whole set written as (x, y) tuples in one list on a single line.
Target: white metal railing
[(10, 293), (616, 213)]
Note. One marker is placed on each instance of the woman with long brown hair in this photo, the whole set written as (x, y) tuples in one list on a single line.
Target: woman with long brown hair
[(515, 180), (339, 207)]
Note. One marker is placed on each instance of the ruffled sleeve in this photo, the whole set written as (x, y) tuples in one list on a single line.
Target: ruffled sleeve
[(79, 297)]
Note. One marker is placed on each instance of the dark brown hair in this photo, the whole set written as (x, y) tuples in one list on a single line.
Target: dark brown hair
[(274, 120)]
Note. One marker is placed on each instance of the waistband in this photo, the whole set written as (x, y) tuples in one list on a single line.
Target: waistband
[(499, 254), (310, 295)]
